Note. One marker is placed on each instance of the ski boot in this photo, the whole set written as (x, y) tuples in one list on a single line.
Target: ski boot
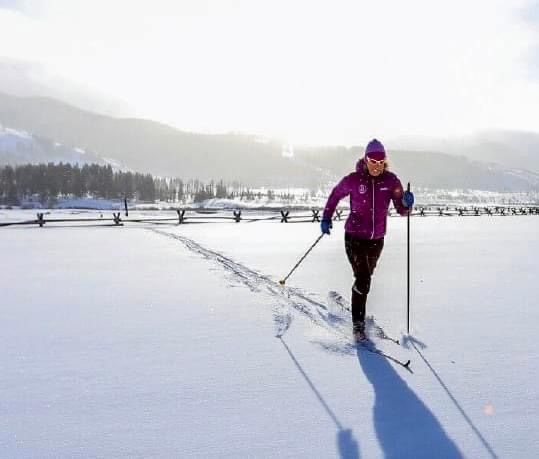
[(359, 332)]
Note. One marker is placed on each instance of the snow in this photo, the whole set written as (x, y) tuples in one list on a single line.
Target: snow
[(21, 147), (237, 203), (87, 203), (10, 139), (5, 131), (177, 341)]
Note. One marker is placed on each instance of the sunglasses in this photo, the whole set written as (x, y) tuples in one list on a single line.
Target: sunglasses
[(375, 162)]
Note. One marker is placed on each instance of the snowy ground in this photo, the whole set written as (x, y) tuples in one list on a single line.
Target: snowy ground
[(177, 341)]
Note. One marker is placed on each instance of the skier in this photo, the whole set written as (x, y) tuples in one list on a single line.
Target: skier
[(371, 188)]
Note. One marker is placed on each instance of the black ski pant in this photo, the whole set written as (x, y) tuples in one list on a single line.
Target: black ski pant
[(363, 255)]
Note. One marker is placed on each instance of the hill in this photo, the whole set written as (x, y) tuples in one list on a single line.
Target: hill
[(147, 146)]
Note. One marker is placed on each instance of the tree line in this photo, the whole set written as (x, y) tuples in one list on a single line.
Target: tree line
[(49, 182)]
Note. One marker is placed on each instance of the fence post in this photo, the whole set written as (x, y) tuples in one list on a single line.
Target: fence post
[(237, 215), (40, 220), (338, 214), (117, 218), (284, 216), (316, 217)]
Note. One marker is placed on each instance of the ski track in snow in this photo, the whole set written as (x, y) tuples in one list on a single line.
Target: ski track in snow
[(287, 298)]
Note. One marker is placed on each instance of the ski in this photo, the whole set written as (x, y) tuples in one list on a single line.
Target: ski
[(367, 345), (380, 333), (338, 301)]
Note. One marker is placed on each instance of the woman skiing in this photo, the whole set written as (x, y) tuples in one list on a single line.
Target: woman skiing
[(371, 188)]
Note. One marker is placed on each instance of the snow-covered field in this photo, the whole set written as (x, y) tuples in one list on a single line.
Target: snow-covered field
[(177, 341)]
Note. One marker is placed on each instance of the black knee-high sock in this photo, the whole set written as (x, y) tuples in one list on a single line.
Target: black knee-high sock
[(359, 302)]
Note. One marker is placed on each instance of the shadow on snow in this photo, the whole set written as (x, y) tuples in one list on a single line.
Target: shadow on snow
[(346, 443), (405, 427), (410, 341)]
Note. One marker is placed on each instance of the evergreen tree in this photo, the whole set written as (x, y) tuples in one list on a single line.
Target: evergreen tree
[(50, 181)]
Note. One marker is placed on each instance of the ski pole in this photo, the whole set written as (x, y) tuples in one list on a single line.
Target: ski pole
[(408, 267), (282, 282)]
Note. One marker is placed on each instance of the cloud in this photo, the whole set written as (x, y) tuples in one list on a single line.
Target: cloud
[(530, 17), (303, 70), (10, 4), (23, 78), (26, 7), (530, 13)]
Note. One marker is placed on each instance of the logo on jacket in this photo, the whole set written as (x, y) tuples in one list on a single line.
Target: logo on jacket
[(362, 188)]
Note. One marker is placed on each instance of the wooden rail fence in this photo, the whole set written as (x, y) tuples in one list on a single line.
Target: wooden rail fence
[(283, 215)]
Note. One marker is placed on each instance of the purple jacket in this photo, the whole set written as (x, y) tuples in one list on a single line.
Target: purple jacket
[(369, 201)]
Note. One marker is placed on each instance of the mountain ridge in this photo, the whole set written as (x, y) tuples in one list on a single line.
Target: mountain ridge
[(154, 147)]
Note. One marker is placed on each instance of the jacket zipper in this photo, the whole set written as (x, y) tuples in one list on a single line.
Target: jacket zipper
[(372, 234)]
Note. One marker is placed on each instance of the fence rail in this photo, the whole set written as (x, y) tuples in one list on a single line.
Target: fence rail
[(283, 215)]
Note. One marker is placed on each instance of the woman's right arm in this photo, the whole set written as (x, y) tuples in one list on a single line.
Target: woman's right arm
[(341, 190)]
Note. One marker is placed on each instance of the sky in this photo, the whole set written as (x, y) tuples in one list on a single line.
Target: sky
[(306, 71)]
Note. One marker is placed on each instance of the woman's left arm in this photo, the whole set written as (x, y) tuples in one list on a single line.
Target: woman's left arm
[(396, 196)]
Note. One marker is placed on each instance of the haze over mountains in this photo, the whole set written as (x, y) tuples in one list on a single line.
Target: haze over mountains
[(513, 149), (31, 79), (497, 161)]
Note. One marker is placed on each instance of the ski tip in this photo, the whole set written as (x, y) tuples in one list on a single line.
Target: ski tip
[(407, 364)]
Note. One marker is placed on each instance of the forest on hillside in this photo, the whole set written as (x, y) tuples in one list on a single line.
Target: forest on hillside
[(47, 182)]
